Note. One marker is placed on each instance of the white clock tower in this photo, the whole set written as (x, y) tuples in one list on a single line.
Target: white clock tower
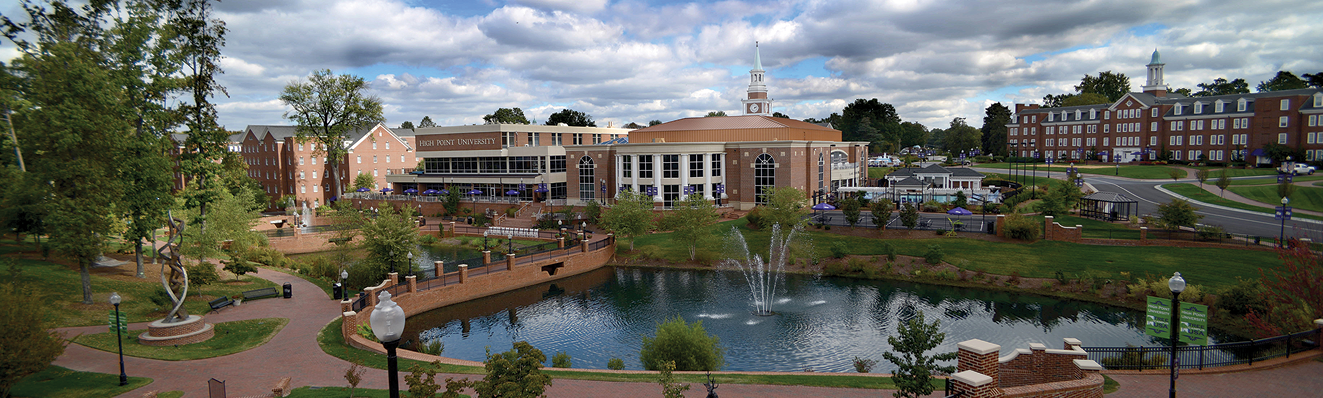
[(758, 103)]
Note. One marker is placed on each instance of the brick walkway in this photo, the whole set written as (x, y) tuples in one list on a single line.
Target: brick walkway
[(1299, 380)]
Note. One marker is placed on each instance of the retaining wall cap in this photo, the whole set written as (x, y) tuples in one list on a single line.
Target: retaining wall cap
[(978, 346), (972, 378), (1088, 364), (1037, 346), (1011, 357), (1067, 352), (1318, 322), (349, 313), (1072, 341)]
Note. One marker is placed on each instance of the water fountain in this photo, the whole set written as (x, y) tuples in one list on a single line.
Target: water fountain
[(762, 277), (307, 218)]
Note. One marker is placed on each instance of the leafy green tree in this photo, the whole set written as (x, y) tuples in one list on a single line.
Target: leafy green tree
[(1201, 175), (1221, 86), (1175, 173), (1110, 85), (850, 207), (506, 116), (1314, 80), (786, 206), (995, 119), (881, 212), (387, 239), (451, 202), (363, 181), (630, 217), (961, 137), (1285, 189), (327, 109), (406, 125), (1061, 199), (1292, 294), (29, 344), (869, 120), (914, 376), (426, 122), (689, 347), (716, 114), (670, 387), (654, 122), (961, 200), (1177, 213), (200, 40), (232, 219), (633, 126), (913, 133), (514, 374), (571, 118), (909, 215), (1280, 153), (692, 221), (1284, 80), (1223, 181), (780, 115), (1085, 99)]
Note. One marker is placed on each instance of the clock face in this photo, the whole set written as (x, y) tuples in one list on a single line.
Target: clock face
[(753, 108)]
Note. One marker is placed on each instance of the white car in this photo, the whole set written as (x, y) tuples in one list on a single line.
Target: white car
[(1298, 169)]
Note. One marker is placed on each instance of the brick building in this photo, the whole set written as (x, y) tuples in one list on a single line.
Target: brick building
[(284, 166), (1156, 122)]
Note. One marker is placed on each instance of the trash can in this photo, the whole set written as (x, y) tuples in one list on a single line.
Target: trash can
[(337, 291), (289, 290)]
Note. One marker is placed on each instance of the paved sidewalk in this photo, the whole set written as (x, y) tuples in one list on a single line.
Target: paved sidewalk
[(1299, 380)]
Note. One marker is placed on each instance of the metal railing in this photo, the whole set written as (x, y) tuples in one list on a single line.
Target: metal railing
[(1200, 357), (359, 303)]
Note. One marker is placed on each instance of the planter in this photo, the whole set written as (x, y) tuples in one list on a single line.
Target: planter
[(238, 302)]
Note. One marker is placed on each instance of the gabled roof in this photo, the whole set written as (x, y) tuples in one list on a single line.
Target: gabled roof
[(965, 172), (278, 133), (934, 169), (731, 122), (910, 181), (1112, 197), (358, 136)]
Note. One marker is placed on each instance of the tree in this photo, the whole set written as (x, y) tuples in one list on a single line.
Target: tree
[(869, 120), (995, 119), (691, 220), (909, 215), (1285, 80), (1177, 213), (1223, 181), (961, 137), (913, 133), (204, 149), (1314, 80), (1110, 85), (881, 212), (29, 343), (426, 122), (915, 374), (670, 388), (1175, 173), (506, 116), (232, 218), (571, 118), (1292, 294), (1061, 199), (780, 115), (689, 347), (406, 125), (715, 114), (1202, 175), (631, 216), (1085, 99), (387, 240), (364, 181), (515, 374), (961, 200), (1221, 86), (654, 122), (1285, 189), (633, 126), (327, 108), (1279, 153), (786, 206), (850, 207)]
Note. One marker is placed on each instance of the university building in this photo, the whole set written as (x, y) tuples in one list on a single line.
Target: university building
[(283, 166), (1145, 125)]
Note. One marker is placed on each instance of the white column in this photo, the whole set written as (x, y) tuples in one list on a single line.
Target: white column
[(684, 172), (634, 177), (620, 172), (707, 176)]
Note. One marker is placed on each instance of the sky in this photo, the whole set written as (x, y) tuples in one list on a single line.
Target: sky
[(641, 60)]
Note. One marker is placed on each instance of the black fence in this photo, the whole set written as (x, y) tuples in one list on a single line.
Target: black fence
[(359, 303), (1200, 357), (1192, 236)]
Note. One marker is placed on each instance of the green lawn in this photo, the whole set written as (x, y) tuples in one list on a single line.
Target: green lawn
[(55, 381), (1214, 172), (231, 337), (1307, 198), (1146, 172), (1039, 180), (1097, 229), (1212, 180), (1193, 192), (62, 287)]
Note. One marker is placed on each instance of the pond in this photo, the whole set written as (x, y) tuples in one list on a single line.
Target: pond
[(821, 323)]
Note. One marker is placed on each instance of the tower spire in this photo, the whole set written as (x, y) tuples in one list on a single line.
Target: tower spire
[(757, 59)]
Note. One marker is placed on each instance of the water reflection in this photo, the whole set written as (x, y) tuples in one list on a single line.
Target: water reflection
[(822, 323)]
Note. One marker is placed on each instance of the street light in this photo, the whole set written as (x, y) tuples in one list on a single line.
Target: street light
[(344, 292), (511, 249), (114, 300), (1281, 236), (1177, 285), (387, 322), (410, 262), (485, 234)]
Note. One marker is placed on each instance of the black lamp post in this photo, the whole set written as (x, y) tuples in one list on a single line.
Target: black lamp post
[(344, 290), (1281, 236), (114, 300), (410, 262), (511, 249), (387, 321), (1177, 285), (485, 234)]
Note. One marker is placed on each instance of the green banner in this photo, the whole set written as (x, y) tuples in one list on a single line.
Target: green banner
[(117, 318), (1193, 321)]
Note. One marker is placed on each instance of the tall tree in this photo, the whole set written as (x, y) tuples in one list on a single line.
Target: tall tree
[(913, 133), (961, 137), (406, 125), (426, 122), (29, 343), (631, 216), (654, 122), (914, 377), (869, 116), (506, 116), (1085, 99), (1113, 86), (1221, 86), (571, 118), (995, 119), (632, 125), (780, 115), (786, 206), (1285, 80), (327, 108), (1314, 80), (691, 219), (715, 114), (200, 40), (387, 238)]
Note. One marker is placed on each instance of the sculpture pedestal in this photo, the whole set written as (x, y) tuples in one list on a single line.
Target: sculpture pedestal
[(187, 331)]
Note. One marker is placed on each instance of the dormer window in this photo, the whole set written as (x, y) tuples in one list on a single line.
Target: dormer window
[(1063, 116), (1079, 114), (1318, 100), (1240, 105), (1177, 110), (1051, 117), (1093, 114), (1218, 107), (1107, 115), (1198, 108)]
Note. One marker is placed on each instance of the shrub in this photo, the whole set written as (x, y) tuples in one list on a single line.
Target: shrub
[(238, 267), (857, 264), (756, 218), (200, 274), (514, 373), (872, 272), (888, 250), (510, 212), (690, 347), (932, 206), (1242, 298), (1022, 228), (161, 299), (934, 254), (1210, 232), (834, 269), (615, 364), (1047, 285), (366, 331), (670, 387), (434, 347), (839, 249), (1131, 358), (560, 360), (864, 365)]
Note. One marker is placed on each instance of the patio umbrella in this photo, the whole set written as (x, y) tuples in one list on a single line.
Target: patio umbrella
[(363, 190), (511, 192), (429, 192), (824, 206), (959, 211), (384, 190), (444, 191), (475, 191), (411, 191)]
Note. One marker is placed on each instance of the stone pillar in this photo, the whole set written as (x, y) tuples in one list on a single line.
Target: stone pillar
[(979, 356), (440, 268), (1143, 235), (1001, 225), (346, 305), (486, 257), (463, 273), (584, 245), (560, 242), (371, 295), (413, 283), (509, 261), (1072, 343), (971, 384), (350, 324)]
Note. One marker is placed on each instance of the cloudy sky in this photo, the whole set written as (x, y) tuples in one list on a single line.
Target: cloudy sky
[(639, 60)]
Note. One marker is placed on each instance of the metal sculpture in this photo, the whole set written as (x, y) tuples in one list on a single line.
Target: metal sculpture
[(175, 281)]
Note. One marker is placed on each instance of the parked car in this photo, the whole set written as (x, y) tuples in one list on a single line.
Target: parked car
[(1296, 168)]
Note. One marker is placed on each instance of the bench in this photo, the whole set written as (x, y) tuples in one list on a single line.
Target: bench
[(925, 223), (219, 303), (260, 293), (281, 388)]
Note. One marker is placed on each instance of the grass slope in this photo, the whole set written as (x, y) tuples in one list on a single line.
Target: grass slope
[(1194, 192), (55, 381), (231, 337), (1307, 198)]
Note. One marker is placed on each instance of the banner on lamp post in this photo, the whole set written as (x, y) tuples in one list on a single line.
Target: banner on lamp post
[(1193, 321)]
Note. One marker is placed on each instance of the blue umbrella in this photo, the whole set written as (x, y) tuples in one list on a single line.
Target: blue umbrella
[(363, 190), (429, 192), (411, 190), (384, 190), (959, 211), (823, 206), (511, 192), (475, 191)]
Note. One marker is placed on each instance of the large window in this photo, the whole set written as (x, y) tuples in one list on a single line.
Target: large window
[(493, 165), (670, 166), (695, 166), (645, 166), (821, 168), (586, 180), (670, 193), (626, 166), (558, 190), (716, 165), (578, 139), (764, 177)]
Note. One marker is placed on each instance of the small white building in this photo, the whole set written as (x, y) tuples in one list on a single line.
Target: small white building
[(936, 183)]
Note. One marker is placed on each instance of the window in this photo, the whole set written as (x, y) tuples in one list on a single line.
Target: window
[(821, 168), (1152, 126), (1175, 140), (314, 175), (716, 164), (374, 145), (387, 144), (1286, 104), (360, 159), (387, 159), (1104, 141), (303, 189), (597, 138), (314, 189), (1282, 121), (1154, 113), (1281, 138), (1153, 141), (586, 178), (300, 175), (1107, 115), (1240, 105), (1313, 120), (1198, 108), (558, 166), (1050, 130), (1093, 114), (1105, 128), (555, 139), (670, 166), (374, 158), (1051, 117), (645, 166), (1235, 139), (1176, 110), (626, 166), (1091, 142), (695, 166), (578, 139), (764, 177), (1176, 155), (374, 172), (1309, 138), (1015, 131), (402, 158), (300, 160)]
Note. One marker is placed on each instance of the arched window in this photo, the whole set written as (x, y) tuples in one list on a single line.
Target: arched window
[(764, 177), (839, 157), (586, 178)]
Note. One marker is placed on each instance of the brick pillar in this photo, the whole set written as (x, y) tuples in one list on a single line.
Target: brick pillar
[(486, 257), (371, 295), (1001, 225), (1048, 230), (463, 273), (979, 370), (440, 268), (1036, 361), (346, 304), (350, 324), (1072, 343), (560, 242), (509, 261), (971, 384), (452, 230), (413, 283), (1143, 235), (394, 279)]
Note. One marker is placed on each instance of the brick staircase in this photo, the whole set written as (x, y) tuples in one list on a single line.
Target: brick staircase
[(524, 218)]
